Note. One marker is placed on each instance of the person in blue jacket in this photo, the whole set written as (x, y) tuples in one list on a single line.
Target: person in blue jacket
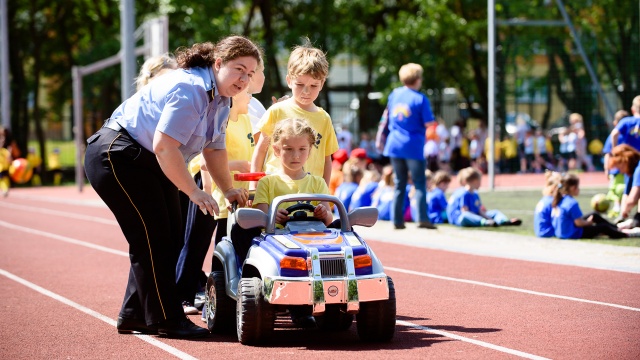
[(436, 197), (567, 218), (542, 225)]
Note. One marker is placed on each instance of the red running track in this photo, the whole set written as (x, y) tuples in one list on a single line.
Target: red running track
[(63, 268)]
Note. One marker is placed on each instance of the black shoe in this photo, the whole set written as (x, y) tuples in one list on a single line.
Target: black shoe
[(128, 326), (426, 225), (181, 328), (399, 227)]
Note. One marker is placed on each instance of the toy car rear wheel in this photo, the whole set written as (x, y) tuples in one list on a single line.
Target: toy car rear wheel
[(255, 316), (334, 319), (376, 320), (219, 306)]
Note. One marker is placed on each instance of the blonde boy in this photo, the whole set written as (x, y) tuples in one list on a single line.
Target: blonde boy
[(307, 72)]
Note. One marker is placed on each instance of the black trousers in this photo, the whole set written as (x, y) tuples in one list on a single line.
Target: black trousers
[(601, 227), (145, 203), (198, 232)]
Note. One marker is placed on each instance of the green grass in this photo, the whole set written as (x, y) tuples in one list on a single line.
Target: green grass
[(67, 151), (521, 204)]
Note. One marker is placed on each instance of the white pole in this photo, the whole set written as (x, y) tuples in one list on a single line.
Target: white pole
[(491, 71), (5, 104), (127, 46)]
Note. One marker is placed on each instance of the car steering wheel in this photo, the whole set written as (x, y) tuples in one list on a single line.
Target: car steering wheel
[(297, 211)]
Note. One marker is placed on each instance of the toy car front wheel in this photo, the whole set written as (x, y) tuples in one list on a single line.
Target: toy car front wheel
[(219, 306), (376, 320), (255, 316)]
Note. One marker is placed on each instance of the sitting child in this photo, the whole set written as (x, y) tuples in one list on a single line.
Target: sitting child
[(542, 225), (352, 176), (382, 198), (436, 197), (465, 209), (367, 187), (567, 219)]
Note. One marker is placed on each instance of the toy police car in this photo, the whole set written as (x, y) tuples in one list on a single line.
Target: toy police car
[(331, 273)]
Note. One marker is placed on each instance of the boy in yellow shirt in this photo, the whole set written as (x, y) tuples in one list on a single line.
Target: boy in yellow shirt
[(307, 72)]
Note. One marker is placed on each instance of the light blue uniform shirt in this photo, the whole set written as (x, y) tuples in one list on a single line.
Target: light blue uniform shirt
[(177, 104)]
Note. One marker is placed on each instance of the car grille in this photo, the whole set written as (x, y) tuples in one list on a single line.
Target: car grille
[(333, 267)]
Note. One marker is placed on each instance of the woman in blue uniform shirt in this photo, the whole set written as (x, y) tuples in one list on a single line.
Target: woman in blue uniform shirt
[(138, 161)]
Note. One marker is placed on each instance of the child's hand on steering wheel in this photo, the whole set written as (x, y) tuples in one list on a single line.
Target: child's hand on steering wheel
[(282, 216)]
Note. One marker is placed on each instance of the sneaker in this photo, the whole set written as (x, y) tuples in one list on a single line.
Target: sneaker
[(199, 300), (189, 309), (626, 224)]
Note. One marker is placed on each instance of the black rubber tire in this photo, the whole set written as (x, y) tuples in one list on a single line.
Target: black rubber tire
[(219, 306), (376, 320), (334, 319), (254, 316)]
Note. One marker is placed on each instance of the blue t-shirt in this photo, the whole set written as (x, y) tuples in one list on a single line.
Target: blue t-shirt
[(563, 218), (409, 110), (382, 199), (344, 193), (629, 129), (459, 199), (362, 196), (542, 225), (437, 206)]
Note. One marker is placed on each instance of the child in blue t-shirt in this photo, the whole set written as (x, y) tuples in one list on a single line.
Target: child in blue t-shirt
[(436, 197), (567, 219), (382, 198), (352, 177), (542, 225), (465, 209), (367, 187)]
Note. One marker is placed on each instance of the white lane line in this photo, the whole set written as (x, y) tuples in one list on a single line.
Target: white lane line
[(471, 341), (530, 292), (153, 341), (63, 238), (60, 213), (40, 198)]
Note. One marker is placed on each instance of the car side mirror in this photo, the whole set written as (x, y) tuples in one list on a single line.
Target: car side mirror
[(250, 218), (364, 216)]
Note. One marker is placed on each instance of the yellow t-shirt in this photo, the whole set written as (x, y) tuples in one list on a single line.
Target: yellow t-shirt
[(54, 161), (5, 157), (510, 147), (271, 186), (194, 165), (497, 148), (34, 160), (240, 146), (326, 141)]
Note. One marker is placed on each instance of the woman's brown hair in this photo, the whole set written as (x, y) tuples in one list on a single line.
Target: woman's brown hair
[(227, 49), (625, 158)]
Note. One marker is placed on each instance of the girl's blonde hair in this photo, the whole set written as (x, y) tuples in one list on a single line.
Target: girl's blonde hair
[(562, 188), (293, 128), (152, 66), (552, 179)]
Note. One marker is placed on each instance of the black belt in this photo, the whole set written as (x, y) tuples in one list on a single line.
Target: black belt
[(112, 124)]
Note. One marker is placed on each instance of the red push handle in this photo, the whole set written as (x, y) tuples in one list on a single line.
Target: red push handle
[(249, 176)]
